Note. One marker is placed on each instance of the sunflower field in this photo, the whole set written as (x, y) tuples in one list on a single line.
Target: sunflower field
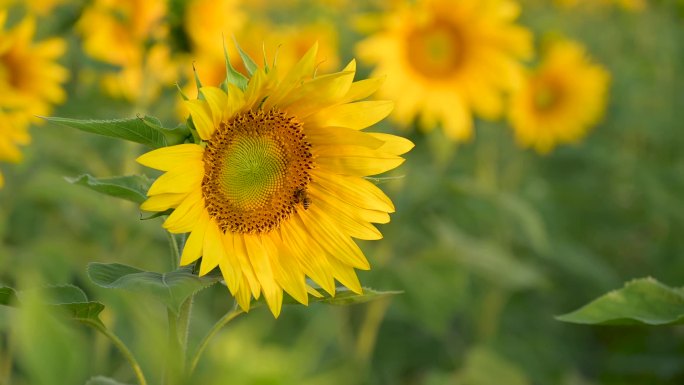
[(300, 192)]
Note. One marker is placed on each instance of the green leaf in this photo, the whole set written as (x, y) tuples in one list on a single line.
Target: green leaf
[(146, 130), (250, 65), (101, 380), (489, 259), (69, 299), (642, 301), (171, 288), (131, 187), (8, 296), (344, 296)]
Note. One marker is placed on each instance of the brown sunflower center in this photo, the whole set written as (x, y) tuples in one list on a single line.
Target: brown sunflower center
[(12, 70), (546, 94), (436, 50), (256, 170)]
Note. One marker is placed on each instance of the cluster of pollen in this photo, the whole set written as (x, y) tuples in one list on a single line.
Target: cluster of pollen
[(256, 168)]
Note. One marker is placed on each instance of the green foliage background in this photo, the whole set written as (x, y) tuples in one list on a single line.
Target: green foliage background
[(489, 243)]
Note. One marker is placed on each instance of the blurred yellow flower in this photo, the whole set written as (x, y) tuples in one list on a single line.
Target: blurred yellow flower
[(208, 22), (30, 83), (445, 59), (39, 7), (561, 100), (30, 78), (129, 34), (13, 132), (276, 191)]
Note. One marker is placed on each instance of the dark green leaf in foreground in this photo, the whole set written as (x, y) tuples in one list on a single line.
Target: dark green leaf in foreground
[(8, 296), (171, 288), (145, 130), (642, 301), (68, 299), (131, 187), (100, 380)]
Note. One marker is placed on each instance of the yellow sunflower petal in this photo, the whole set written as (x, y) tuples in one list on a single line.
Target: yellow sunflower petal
[(217, 101), (286, 270), (357, 115), (193, 246), (393, 144), (308, 255), (162, 202), (213, 251), (201, 117), (346, 275), (355, 160), (169, 158), (186, 215), (178, 180), (261, 264), (240, 253)]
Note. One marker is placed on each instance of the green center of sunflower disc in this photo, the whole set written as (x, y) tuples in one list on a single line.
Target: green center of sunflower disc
[(256, 167)]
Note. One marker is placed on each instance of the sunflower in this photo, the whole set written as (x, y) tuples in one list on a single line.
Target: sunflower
[(30, 78), (445, 59), (30, 82), (137, 31), (274, 190), (561, 100)]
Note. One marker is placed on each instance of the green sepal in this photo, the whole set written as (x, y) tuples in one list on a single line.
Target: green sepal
[(156, 215), (232, 76), (130, 187), (643, 301), (250, 65), (171, 288), (145, 130), (343, 297)]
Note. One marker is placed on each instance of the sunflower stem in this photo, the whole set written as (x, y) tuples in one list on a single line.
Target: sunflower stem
[(236, 311), (174, 359), (122, 348)]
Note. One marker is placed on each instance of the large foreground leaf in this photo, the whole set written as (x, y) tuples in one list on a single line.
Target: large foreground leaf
[(131, 187), (171, 288), (145, 130), (642, 301), (66, 299), (344, 296)]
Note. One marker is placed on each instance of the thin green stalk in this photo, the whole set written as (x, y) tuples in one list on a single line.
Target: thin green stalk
[(184, 324), (231, 315), (175, 250), (122, 348), (174, 360)]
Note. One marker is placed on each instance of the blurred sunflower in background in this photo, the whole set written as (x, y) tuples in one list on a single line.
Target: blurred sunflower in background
[(561, 100), (30, 82), (446, 60), (275, 190), (130, 35)]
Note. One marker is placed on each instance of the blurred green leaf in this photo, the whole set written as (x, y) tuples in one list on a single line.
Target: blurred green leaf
[(101, 380), (8, 296), (489, 260), (146, 130), (643, 301), (69, 299), (483, 366), (130, 187), (171, 288)]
